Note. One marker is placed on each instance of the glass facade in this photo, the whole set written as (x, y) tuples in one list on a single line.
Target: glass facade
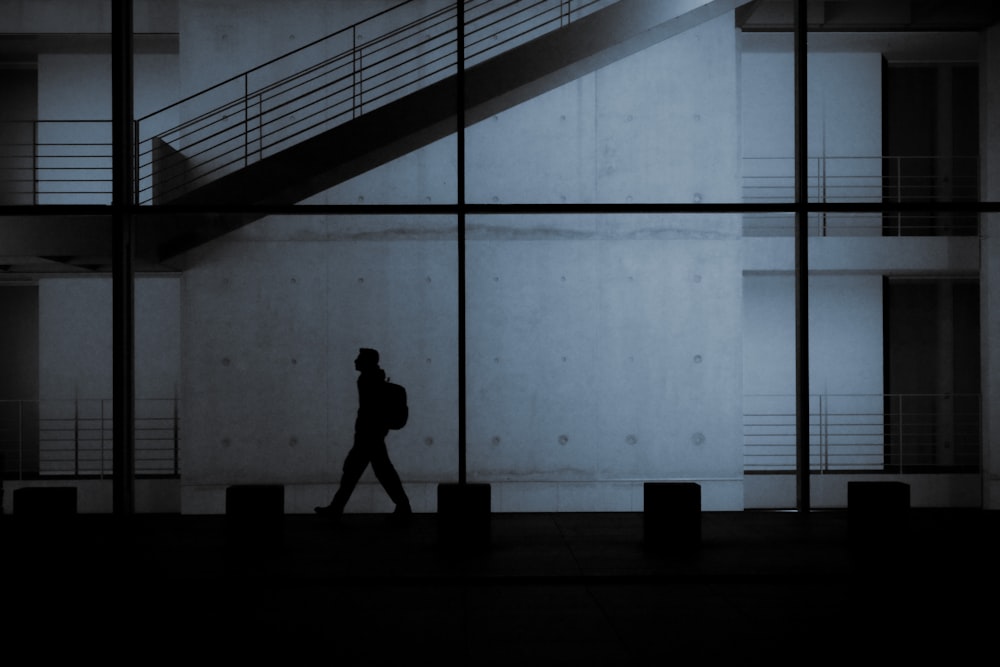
[(577, 253)]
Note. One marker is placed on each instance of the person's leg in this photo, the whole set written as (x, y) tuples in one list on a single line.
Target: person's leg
[(354, 464), (387, 476)]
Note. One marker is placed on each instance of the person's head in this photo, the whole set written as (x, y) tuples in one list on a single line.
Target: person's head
[(367, 359)]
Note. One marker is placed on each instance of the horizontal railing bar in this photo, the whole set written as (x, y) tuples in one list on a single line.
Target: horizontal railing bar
[(238, 103), (346, 88), (526, 19), (239, 155), (240, 122), (419, 39), (386, 42), (257, 68), (545, 26), (72, 438)]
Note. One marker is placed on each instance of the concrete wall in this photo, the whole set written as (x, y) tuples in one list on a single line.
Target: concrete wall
[(660, 126), (598, 362), (75, 336), (603, 352)]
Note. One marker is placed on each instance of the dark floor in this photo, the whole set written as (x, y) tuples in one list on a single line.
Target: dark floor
[(547, 589)]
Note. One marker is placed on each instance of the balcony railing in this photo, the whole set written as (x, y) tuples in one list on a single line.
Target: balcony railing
[(876, 179), (865, 433), (55, 162), (74, 438)]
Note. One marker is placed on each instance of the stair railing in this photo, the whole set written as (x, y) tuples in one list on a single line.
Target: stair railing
[(326, 83)]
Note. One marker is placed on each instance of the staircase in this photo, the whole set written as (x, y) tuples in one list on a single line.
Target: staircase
[(320, 115), (282, 139)]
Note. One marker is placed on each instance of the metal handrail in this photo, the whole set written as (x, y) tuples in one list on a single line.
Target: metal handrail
[(48, 161), (239, 121), (909, 179), (865, 432), (868, 177), (73, 438), (264, 65)]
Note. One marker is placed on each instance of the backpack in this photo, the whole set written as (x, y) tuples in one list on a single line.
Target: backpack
[(395, 411)]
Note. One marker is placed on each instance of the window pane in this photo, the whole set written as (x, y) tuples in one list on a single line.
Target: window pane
[(658, 125), (273, 318), (601, 354)]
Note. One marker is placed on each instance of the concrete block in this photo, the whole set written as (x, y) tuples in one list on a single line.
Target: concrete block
[(45, 500), (671, 515), (464, 516)]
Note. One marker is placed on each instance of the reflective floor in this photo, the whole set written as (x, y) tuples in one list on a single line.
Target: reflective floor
[(545, 589)]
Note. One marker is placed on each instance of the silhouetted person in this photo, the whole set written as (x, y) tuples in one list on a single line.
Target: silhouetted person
[(369, 442)]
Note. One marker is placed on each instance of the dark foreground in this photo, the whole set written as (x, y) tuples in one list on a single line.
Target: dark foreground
[(548, 589)]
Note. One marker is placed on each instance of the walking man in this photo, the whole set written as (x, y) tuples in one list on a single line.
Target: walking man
[(369, 442)]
